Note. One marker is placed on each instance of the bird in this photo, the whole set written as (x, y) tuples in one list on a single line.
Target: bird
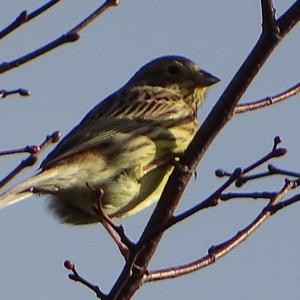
[(125, 146)]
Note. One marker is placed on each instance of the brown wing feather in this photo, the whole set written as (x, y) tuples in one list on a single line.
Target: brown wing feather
[(149, 112)]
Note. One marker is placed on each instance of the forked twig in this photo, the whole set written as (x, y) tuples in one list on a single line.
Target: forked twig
[(71, 36), (211, 201), (218, 251), (31, 159), (75, 276), (24, 17), (274, 153)]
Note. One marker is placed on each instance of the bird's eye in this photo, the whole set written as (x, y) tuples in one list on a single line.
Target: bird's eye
[(173, 70)]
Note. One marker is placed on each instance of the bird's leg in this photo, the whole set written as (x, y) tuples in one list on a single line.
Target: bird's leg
[(174, 160), (40, 191), (124, 244), (163, 161), (182, 167)]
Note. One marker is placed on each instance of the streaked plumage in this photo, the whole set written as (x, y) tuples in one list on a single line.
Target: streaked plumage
[(124, 145)]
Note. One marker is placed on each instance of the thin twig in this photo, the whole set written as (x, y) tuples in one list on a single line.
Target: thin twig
[(65, 38), (20, 91), (31, 159), (31, 149), (69, 37), (41, 9), (50, 139), (211, 201), (285, 203), (28, 162), (124, 244), (107, 4), (24, 17), (78, 278), (218, 251), (245, 107), (274, 170), (260, 195), (237, 176), (274, 153), (255, 195)]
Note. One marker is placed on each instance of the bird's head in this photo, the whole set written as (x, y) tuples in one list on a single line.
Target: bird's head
[(177, 73)]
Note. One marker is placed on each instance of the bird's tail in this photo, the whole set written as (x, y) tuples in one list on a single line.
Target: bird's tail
[(26, 189)]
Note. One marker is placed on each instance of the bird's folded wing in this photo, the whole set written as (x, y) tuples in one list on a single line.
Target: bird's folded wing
[(114, 137)]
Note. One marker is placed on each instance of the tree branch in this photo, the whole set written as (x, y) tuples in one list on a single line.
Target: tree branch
[(268, 18), (223, 111), (71, 36), (217, 252), (244, 107), (237, 176), (31, 159), (78, 278), (24, 18)]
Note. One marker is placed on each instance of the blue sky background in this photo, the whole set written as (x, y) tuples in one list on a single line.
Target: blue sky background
[(67, 82)]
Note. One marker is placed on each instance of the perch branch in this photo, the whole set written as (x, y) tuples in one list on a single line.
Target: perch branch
[(223, 111)]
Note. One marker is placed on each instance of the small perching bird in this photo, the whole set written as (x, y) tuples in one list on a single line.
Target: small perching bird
[(124, 146)]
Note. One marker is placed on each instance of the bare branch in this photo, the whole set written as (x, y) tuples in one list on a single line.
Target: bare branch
[(28, 162), (289, 19), (244, 107), (24, 18), (236, 176), (275, 170), (21, 19), (216, 252), (272, 170), (76, 277), (274, 153), (69, 37), (211, 201), (65, 38), (285, 203), (255, 195), (31, 149), (124, 244), (31, 159), (107, 4), (20, 91), (41, 9)]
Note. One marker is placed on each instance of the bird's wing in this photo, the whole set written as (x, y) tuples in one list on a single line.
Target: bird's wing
[(118, 127)]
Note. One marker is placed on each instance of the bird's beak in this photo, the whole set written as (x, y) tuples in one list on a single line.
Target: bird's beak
[(206, 79)]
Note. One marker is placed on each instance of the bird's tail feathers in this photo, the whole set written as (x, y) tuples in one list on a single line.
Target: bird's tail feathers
[(25, 189)]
